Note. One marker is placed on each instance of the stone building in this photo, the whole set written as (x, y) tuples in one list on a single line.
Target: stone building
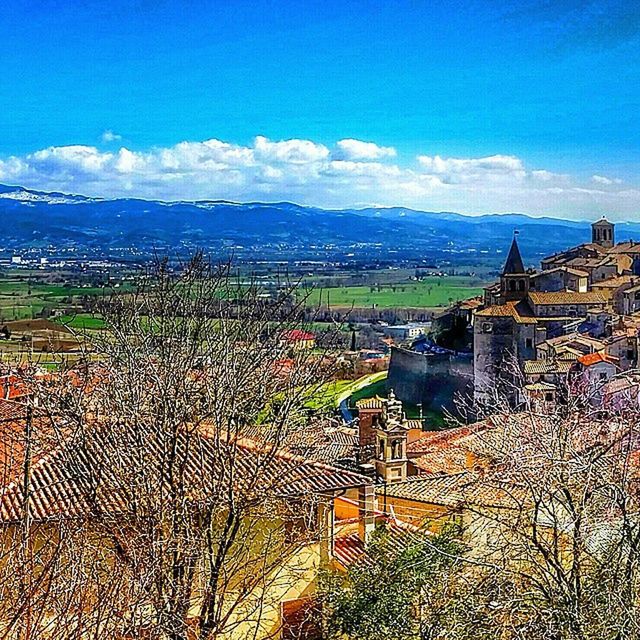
[(585, 292)]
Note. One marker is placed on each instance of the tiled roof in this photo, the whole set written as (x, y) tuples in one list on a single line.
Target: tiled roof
[(79, 479), (471, 303), (298, 335), (349, 549), (613, 283), (12, 410), (565, 297), (626, 247), (451, 450), (370, 403), (454, 491), (618, 385), (540, 386), (519, 311), (593, 358), (572, 271), (532, 367)]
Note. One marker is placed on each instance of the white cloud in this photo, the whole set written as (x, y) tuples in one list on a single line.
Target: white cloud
[(308, 172), (350, 149), (110, 136), (290, 151), (604, 180), (461, 170)]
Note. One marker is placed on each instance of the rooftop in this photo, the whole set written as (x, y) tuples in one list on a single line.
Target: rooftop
[(594, 358), (532, 367), (77, 479), (565, 297), (520, 311)]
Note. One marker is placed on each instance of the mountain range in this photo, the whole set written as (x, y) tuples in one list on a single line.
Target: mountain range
[(280, 230)]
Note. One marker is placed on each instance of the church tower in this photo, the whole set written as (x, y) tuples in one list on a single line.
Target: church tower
[(391, 442), (603, 233), (514, 281)]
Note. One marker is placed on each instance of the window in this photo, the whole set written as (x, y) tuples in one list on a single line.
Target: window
[(380, 449), (629, 354), (487, 327), (512, 285), (396, 450), (520, 285), (529, 343)]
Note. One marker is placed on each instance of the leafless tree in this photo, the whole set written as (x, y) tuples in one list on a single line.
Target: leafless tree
[(169, 517), (551, 514)]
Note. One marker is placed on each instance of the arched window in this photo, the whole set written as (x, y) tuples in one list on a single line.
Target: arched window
[(512, 285), (520, 285)]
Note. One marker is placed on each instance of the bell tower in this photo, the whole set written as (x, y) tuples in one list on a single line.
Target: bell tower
[(603, 233), (391, 442), (514, 281)]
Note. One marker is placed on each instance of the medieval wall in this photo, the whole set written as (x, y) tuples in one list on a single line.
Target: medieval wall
[(429, 379)]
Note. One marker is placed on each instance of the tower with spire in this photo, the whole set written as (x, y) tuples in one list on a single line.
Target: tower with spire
[(514, 280)]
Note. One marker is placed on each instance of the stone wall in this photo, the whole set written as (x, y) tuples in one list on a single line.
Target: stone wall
[(429, 379)]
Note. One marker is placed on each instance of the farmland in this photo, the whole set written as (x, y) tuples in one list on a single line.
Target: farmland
[(430, 292)]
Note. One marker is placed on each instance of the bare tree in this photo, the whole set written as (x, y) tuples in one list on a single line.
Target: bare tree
[(552, 519), (174, 513)]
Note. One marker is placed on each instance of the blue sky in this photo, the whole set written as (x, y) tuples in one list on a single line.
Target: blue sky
[(552, 87)]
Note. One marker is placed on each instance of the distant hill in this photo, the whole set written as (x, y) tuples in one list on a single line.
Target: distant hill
[(276, 230)]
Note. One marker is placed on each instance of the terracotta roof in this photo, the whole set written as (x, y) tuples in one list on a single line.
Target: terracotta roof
[(349, 549), (617, 385), (532, 367), (446, 437), (12, 410), (297, 335), (78, 480), (587, 263), (519, 311), (455, 491), (471, 303), (565, 297), (626, 247), (451, 450), (593, 358), (613, 283), (572, 271)]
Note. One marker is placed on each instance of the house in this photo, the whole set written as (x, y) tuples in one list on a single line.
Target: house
[(560, 279), (74, 485), (299, 339), (404, 332)]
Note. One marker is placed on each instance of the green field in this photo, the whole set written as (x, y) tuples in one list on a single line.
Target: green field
[(81, 321), (430, 292), (26, 298)]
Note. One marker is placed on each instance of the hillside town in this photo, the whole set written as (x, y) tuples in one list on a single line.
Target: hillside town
[(85, 452), (577, 315)]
